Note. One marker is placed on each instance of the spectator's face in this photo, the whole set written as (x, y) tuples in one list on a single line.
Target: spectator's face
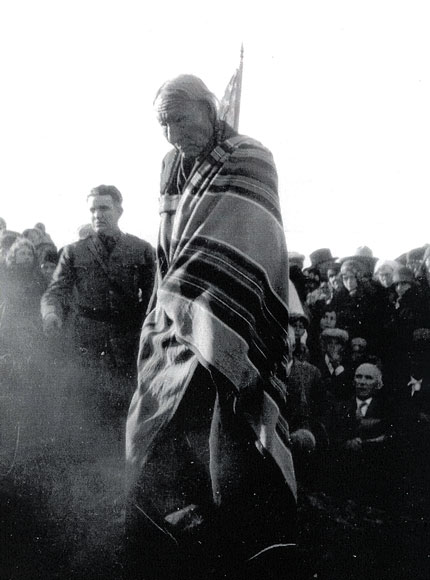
[(24, 256), (358, 348), (333, 279), (328, 320), (367, 381), (48, 269), (349, 280), (334, 348), (402, 287), (312, 281), (105, 214), (187, 126), (358, 345), (385, 276), (299, 328), (35, 237)]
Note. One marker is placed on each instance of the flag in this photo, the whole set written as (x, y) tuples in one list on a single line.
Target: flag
[(230, 103)]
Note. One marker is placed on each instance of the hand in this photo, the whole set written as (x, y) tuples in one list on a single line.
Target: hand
[(354, 444), (303, 440), (52, 324)]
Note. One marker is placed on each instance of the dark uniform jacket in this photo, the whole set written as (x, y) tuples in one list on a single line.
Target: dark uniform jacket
[(107, 292)]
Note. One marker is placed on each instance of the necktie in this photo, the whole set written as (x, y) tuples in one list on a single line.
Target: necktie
[(109, 242), (361, 410)]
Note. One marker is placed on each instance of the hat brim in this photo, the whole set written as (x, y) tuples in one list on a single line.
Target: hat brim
[(359, 258)]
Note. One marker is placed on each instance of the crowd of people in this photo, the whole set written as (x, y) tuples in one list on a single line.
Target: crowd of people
[(361, 370), (27, 262), (237, 404)]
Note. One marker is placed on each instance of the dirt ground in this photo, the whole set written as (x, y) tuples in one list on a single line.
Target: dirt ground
[(61, 518)]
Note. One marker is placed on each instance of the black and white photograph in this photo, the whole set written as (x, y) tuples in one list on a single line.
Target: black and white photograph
[(214, 290)]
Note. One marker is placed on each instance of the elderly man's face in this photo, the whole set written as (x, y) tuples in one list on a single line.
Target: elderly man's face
[(187, 126), (367, 381)]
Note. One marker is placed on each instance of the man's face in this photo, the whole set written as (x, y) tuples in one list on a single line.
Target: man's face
[(367, 380), (105, 214), (187, 126)]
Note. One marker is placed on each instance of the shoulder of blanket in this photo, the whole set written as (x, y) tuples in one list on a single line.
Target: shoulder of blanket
[(243, 145)]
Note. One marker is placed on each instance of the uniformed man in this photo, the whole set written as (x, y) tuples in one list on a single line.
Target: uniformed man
[(102, 286)]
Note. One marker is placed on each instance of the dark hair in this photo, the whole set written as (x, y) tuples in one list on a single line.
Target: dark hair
[(111, 190)]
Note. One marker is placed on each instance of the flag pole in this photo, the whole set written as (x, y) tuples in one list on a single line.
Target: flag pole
[(230, 103), (239, 91)]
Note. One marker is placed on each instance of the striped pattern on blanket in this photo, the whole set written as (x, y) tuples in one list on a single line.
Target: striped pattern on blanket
[(222, 298)]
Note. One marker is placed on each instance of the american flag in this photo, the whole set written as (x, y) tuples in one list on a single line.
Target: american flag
[(230, 103)]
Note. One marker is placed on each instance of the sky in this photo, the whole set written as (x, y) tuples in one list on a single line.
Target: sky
[(338, 90)]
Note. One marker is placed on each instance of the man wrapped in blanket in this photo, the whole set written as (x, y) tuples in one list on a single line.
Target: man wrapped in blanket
[(211, 481)]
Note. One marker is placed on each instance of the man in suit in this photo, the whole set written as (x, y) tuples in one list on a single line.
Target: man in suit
[(334, 364), (106, 280), (359, 431)]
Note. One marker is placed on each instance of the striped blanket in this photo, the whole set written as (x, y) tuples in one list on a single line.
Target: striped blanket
[(221, 299)]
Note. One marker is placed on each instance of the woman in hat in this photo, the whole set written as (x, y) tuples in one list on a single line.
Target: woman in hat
[(359, 306), (21, 288)]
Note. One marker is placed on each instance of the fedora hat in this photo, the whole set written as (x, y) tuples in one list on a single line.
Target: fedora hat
[(364, 257), (321, 256), (296, 258)]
